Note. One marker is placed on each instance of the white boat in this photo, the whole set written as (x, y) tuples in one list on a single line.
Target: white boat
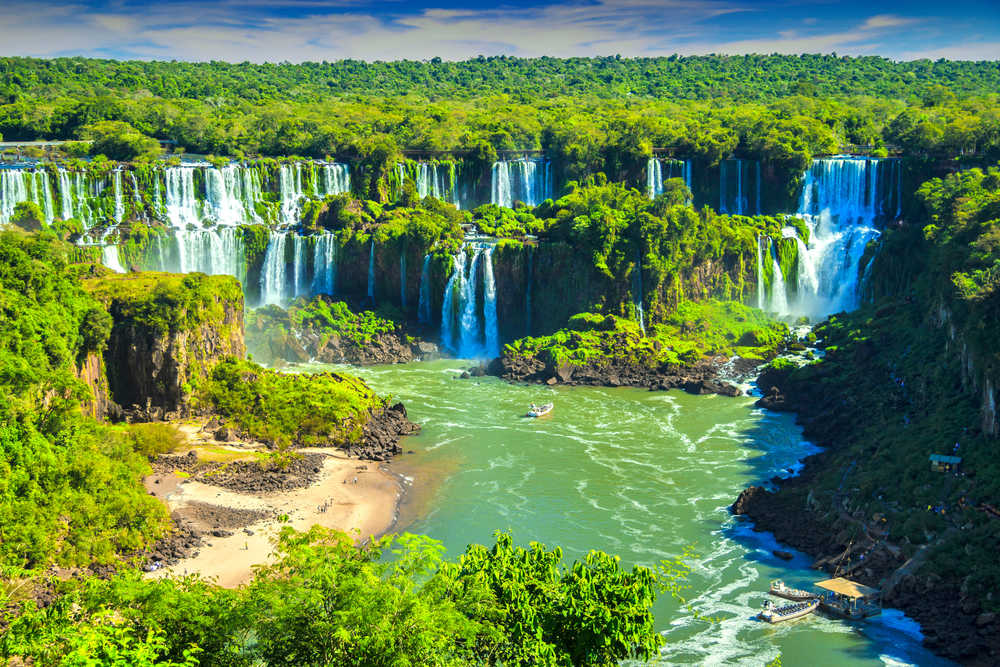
[(540, 410), (779, 588), (773, 614)]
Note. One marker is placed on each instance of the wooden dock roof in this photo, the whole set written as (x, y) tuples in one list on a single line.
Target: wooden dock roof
[(851, 589)]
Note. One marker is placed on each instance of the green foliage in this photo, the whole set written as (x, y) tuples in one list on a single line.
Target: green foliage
[(165, 302), (392, 601), (284, 409), (118, 140), (69, 488), (689, 333), (28, 216)]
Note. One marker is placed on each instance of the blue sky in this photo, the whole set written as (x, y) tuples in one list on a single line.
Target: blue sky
[(298, 30)]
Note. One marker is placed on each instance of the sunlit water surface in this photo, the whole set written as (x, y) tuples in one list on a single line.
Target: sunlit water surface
[(635, 473)]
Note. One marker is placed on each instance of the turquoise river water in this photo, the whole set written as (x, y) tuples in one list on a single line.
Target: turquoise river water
[(635, 473)]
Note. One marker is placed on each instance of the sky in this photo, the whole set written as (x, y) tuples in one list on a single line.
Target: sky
[(317, 30)]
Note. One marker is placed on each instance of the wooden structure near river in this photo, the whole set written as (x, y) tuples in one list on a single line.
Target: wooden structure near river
[(850, 599)]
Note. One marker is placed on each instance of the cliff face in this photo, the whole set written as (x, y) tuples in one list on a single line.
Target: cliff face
[(168, 330)]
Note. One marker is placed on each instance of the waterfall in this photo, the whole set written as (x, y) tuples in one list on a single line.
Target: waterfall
[(371, 272), (301, 287), (640, 315), (424, 305), (674, 169), (119, 196), (272, 273), (456, 284), (135, 188), (21, 185), (181, 205), (739, 171), (779, 298), (527, 180), (66, 194), (469, 322), (491, 326), (336, 178), (476, 336), (290, 187), (214, 251), (230, 195), (324, 265), (843, 200), (109, 258), (654, 177), (13, 191), (402, 279), (760, 276), (434, 179)]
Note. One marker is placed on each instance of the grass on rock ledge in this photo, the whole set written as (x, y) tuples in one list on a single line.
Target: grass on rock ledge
[(288, 408), (691, 332)]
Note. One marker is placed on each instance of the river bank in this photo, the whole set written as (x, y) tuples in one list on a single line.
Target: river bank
[(228, 504)]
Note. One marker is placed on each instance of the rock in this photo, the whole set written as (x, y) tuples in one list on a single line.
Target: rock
[(565, 372), (465, 375), (551, 381), (986, 618), (225, 434), (747, 497), (783, 555)]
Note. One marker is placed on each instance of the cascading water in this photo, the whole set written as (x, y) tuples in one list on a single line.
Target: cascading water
[(290, 186), (13, 191), (737, 179), (477, 335), (230, 194), (424, 305), (180, 204), (491, 325), (66, 194), (272, 273), (109, 258), (779, 296), (674, 168), (213, 251), (371, 272), (640, 315), (843, 200), (527, 180), (300, 287), (760, 276), (527, 290), (336, 178), (324, 265), (456, 285), (119, 196)]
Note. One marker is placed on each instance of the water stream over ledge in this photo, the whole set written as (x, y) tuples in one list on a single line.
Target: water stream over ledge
[(635, 473)]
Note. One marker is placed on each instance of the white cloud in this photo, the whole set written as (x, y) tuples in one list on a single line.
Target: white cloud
[(234, 30)]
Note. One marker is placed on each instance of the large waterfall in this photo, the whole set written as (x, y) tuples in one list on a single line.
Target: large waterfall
[(527, 180), (655, 175), (468, 329), (844, 200), (273, 280), (739, 187)]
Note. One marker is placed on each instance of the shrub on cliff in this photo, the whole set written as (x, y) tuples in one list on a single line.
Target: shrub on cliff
[(288, 408), (70, 489)]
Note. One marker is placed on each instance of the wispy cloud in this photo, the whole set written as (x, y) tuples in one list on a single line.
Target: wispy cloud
[(297, 30)]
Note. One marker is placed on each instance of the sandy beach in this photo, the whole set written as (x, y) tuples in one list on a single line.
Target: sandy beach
[(348, 494)]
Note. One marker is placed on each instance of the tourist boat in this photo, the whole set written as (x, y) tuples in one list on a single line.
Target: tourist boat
[(779, 589), (540, 410), (773, 614)]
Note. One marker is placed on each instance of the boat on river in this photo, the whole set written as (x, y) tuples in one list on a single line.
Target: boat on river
[(540, 410), (779, 589), (788, 612)]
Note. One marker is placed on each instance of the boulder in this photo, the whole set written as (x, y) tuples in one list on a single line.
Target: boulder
[(986, 618)]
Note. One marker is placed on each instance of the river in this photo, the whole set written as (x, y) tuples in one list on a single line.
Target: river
[(635, 473)]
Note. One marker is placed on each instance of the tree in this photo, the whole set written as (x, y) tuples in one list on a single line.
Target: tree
[(120, 141), (28, 215)]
